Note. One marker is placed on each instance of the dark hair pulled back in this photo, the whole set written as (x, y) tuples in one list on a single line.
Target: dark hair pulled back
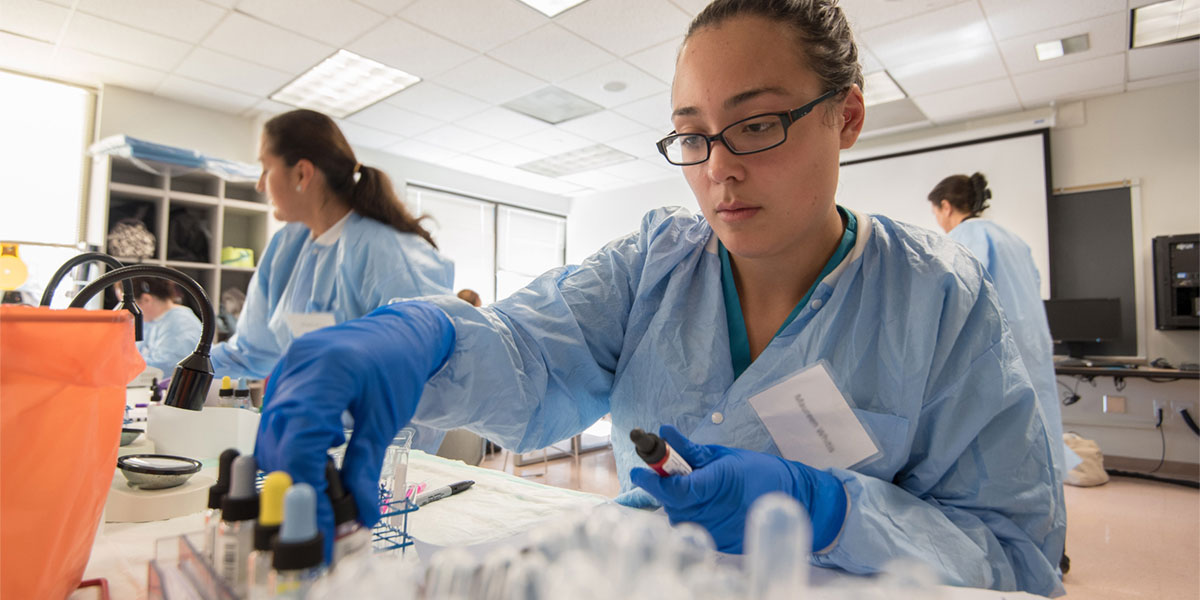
[(159, 288), (967, 195), (308, 134), (822, 30)]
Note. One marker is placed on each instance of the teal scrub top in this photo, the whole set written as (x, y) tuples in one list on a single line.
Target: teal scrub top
[(739, 341)]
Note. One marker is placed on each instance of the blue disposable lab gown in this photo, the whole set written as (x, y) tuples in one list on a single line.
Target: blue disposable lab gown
[(911, 331), (369, 265), (169, 338), (1010, 263)]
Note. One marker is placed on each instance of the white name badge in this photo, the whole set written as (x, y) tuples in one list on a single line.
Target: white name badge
[(811, 422), (302, 323)]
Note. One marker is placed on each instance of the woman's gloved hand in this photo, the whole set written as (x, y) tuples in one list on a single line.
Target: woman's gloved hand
[(375, 368), (726, 481)]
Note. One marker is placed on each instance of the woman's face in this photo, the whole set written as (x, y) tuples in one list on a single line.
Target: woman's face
[(764, 204), (279, 182)]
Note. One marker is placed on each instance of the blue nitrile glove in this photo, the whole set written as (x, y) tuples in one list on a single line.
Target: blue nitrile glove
[(725, 481), (375, 368)]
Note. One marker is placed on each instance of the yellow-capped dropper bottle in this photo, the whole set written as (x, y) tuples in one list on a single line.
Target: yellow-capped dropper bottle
[(225, 395), (270, 517)]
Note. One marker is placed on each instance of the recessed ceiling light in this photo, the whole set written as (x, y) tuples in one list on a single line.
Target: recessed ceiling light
[(553, 105), (880, 88), (551, 7), (1164, 22), (577, 161), (615, 86), (344, 84), (1058, 48)]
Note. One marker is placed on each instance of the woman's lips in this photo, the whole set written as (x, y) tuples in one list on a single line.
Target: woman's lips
[(733, 215)]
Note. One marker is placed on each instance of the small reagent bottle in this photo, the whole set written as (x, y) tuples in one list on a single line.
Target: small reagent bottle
[(658, 454), (216, 493), (225, 394), (235, 536), (241, 395), (299, 549), (270, 517), (350, 537)]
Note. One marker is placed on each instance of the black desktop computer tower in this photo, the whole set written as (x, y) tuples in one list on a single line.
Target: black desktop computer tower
[(1177, 281)]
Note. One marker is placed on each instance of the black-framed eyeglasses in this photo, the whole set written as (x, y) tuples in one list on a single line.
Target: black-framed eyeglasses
[(750, 135)]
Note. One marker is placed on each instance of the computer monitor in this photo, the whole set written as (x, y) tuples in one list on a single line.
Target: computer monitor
[(1081, 321)]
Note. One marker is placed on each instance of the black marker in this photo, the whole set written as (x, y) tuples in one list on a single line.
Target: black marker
[(442, 492)]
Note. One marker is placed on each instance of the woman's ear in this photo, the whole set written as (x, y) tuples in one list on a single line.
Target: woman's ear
[(854, 115), (303, 173)]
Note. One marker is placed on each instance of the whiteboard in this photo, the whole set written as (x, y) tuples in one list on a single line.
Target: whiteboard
[(898, 187)]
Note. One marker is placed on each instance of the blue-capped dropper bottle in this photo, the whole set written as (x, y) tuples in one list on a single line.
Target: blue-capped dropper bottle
[(299, 549)]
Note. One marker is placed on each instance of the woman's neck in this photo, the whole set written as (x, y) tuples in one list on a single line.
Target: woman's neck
[(326, 215)]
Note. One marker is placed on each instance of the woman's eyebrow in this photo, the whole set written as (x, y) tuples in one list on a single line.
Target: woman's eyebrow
[(733, 101)]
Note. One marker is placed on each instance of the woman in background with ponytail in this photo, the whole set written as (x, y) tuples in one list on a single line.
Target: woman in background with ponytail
[(348, 247), (958, 201)]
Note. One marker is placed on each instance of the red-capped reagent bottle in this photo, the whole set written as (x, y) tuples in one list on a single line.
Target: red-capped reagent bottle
[(658, 454)]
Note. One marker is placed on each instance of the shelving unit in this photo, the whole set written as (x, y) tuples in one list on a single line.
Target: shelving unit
[(234, 214)]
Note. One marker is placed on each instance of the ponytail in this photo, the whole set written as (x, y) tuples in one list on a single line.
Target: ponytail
[(308, 134), (968, 195)]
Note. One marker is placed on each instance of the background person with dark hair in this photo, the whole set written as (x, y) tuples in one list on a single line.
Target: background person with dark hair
[(171, 330)]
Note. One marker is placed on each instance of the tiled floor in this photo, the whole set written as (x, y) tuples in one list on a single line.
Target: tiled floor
[(1128, 539)]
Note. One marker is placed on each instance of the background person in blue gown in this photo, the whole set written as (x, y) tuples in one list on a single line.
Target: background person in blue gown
[(682, 322), (171, 330)]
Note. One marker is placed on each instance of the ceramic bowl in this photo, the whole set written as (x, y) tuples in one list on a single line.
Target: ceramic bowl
[(157, 471)]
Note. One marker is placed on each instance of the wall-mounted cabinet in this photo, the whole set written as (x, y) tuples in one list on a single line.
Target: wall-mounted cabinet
[(192, 216)]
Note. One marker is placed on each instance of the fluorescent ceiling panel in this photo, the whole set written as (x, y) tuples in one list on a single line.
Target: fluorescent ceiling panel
[(344, 84), (550, 8), (880, 88), (1170, 21), (577, 161), (553, 105), (1059, 48)]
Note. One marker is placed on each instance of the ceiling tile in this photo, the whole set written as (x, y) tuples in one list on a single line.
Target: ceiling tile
[(404, 46), (187, 20), (868, 14), (234, 73), (1012, 18), (114, 40), (509, 154), (597, 180), (1167, 59), (659, 60), (890, 115), (33, 19), (551, 53), (502, 123), (608, 23), (478, 24), (483, 168), (867, 60), (489, 80), (225, 3), (110, 71), (1040, 87), (390, 119), (265, 44), (367, 137), (950, 70), (653, 112), (990, 97), (420, 151), (691, 7), (268, 108), (456, 138), (637, 171), (553, 140), (433, 100), (387, 7), (20, 53), (641, 145), (334, 22), (603, 126), (204, 94), (1106, 35), (944, 31), (1143, 84), (592, 85)]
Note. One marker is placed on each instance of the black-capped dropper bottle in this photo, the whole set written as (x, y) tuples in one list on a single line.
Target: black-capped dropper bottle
[(658, 454), (350, 537), (216, 493), (235, 535)]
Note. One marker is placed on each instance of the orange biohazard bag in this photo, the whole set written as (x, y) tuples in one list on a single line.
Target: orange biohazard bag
[(62, 402)]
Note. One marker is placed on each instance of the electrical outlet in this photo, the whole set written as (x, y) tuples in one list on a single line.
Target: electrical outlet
[(1190, 405), (1165, 407)]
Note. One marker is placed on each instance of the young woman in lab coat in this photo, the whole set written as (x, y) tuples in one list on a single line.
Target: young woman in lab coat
[(349, 247), (171, 330), (957, 202), (687, 321)]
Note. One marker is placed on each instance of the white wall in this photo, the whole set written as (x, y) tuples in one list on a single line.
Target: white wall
[(1153, 136), (598, 218), (165, 121)]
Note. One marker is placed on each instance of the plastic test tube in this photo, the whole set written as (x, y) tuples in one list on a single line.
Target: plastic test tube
[(235, 535), (270, 517), (778, 544), (395, 473)]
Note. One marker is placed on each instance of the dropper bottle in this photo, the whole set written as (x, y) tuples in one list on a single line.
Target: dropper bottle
[(299, 549), (216, 493), (350, 537), (241, 395), (235, 535), (225, 394), (270, 516)]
